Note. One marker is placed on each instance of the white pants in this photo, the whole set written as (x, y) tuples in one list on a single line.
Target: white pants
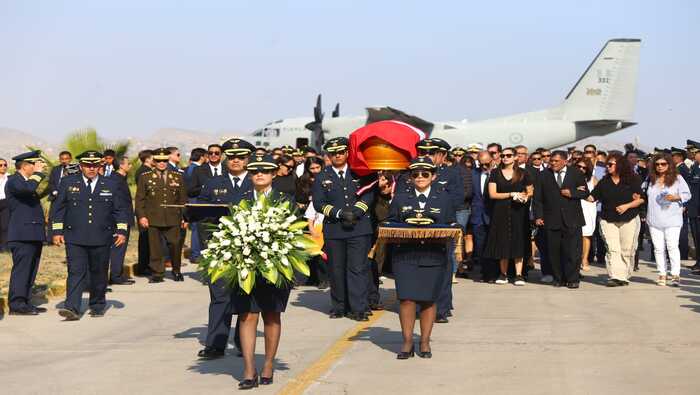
[(666, 239)]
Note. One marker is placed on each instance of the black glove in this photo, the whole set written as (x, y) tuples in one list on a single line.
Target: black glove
[(357, 214), (347, 218)]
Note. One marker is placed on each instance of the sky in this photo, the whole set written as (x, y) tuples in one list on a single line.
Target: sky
[(128, 68)]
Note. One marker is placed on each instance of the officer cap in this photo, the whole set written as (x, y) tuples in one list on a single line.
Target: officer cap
[(336, 144), (90, 157), (237, 147), (262, 162), (433, 144), (658, 150), (287, 149), (475, 147), (458, 151), (31, 157), (692, 146), (678, 151), (161, 154), (298, 152), (422, 163)]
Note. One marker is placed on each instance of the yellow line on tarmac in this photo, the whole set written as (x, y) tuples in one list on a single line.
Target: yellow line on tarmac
[(300, 383)]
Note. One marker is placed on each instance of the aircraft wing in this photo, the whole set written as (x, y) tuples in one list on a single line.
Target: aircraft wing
[(376, 114)]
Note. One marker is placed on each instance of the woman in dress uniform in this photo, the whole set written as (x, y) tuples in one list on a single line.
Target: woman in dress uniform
[(419, 267), (265, 299)]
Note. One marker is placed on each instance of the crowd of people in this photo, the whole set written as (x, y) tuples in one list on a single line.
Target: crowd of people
[(566, 209)]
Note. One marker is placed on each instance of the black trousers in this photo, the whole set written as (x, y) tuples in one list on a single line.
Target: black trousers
[(220, 317), (444, 300), (489, 268), (543, 248), (694, 224), (81, 260), (598, 242), (4, 223), (25, 264), (144, 252), (562, 246), (116, 259), (683, 239), (373, 296), (348, 273)]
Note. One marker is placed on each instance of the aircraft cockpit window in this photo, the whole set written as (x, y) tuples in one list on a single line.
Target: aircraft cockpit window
[(258, 133)]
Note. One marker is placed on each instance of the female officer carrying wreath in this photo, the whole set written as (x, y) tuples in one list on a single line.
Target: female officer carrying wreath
[(419, 267), (266, 299)]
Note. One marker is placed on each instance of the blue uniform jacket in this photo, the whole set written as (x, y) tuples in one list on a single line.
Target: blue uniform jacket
[(125, 193), (330, 195), (449, 180), (439, 207), (26, 214), (693, 182), (89, 218), (220, 190)]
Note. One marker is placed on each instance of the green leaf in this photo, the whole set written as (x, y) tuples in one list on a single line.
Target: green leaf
[(299, 265), (247, 283), (298, 225), (286, 271), (271, 274)]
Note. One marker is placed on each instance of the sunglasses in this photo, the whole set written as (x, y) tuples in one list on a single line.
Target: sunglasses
[(546, 155), (337, 153), (3, 164), (582, 167), (590, 152), (536, 158), (422, 174), (611, 164), (239, 157), (160, 160), (260, 171), (458, 155), (507, 155), (659, 164), (217, 153), (494, 152)]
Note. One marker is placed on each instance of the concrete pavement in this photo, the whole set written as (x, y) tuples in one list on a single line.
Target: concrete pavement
[(503, 339)]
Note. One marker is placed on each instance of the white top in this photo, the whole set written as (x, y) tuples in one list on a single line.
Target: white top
[(241, 177), (344, 169), (662, 213), (217, 167), (92, 185), (300, 170), (3, 181), (426, 193), (311, 213)]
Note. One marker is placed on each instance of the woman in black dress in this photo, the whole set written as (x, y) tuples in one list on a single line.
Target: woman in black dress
[(265, 299), (419, 267), (510, 188)]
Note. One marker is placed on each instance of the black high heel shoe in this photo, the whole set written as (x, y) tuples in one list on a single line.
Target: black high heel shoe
[(267, 380), (247, 384), (406, 354), (425, 354)]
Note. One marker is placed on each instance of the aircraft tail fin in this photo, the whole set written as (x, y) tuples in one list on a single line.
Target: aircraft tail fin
[(607, 89)]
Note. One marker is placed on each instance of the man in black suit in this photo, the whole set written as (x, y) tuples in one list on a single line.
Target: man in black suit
[(203, 173), (557, 204), (146, 158), (58, 172)]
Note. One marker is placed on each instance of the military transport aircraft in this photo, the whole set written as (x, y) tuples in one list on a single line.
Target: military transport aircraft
[(600, 102)]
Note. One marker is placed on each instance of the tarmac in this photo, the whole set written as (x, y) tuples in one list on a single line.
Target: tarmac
[(536, 339)]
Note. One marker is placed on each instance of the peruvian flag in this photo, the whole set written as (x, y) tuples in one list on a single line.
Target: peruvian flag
[(396, 133)]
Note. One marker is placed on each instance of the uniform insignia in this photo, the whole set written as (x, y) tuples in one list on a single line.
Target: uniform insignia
[(406, 208), (103, 193), (327, 183), (235, 145), (174, 184), (170, 176), (154, 175), (434, 210), (442, 182), (419, 215)]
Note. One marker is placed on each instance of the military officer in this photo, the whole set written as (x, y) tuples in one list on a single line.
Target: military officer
[(419, 267), (156, 188), (90, 215), (693, 205), (347, 231), (678, 156), (448, 180), (226, 188), (26, 233)]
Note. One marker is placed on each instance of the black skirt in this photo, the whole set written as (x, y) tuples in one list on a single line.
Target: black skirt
[(264, 298), (419, 271)]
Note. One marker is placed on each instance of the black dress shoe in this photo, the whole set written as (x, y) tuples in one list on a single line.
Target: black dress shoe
[(122, 281), (376, 307), (448, 314), (425, 354), (210, 353), (97, 312), (267, 380), (572, 285), (154, 280), (441, 319), (406, 354), (178, 277), (39, 309), (557, 284), (335, 314), (247, 384), (24, 311), (69, 315), (358, 316)]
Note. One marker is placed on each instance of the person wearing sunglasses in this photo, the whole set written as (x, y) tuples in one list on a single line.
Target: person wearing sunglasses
[(590, 212), (620, 194), (227, 188), (510, 188), (420, 267), (202, 174), (347, 231), (155, 189), (667, 193), (495, 150), (266, 299)]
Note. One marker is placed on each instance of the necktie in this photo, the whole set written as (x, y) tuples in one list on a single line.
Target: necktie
[(341, 175), (216, 171), (560, 179), (422, 198), (64, 171), (235, 183), (89, 185)]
